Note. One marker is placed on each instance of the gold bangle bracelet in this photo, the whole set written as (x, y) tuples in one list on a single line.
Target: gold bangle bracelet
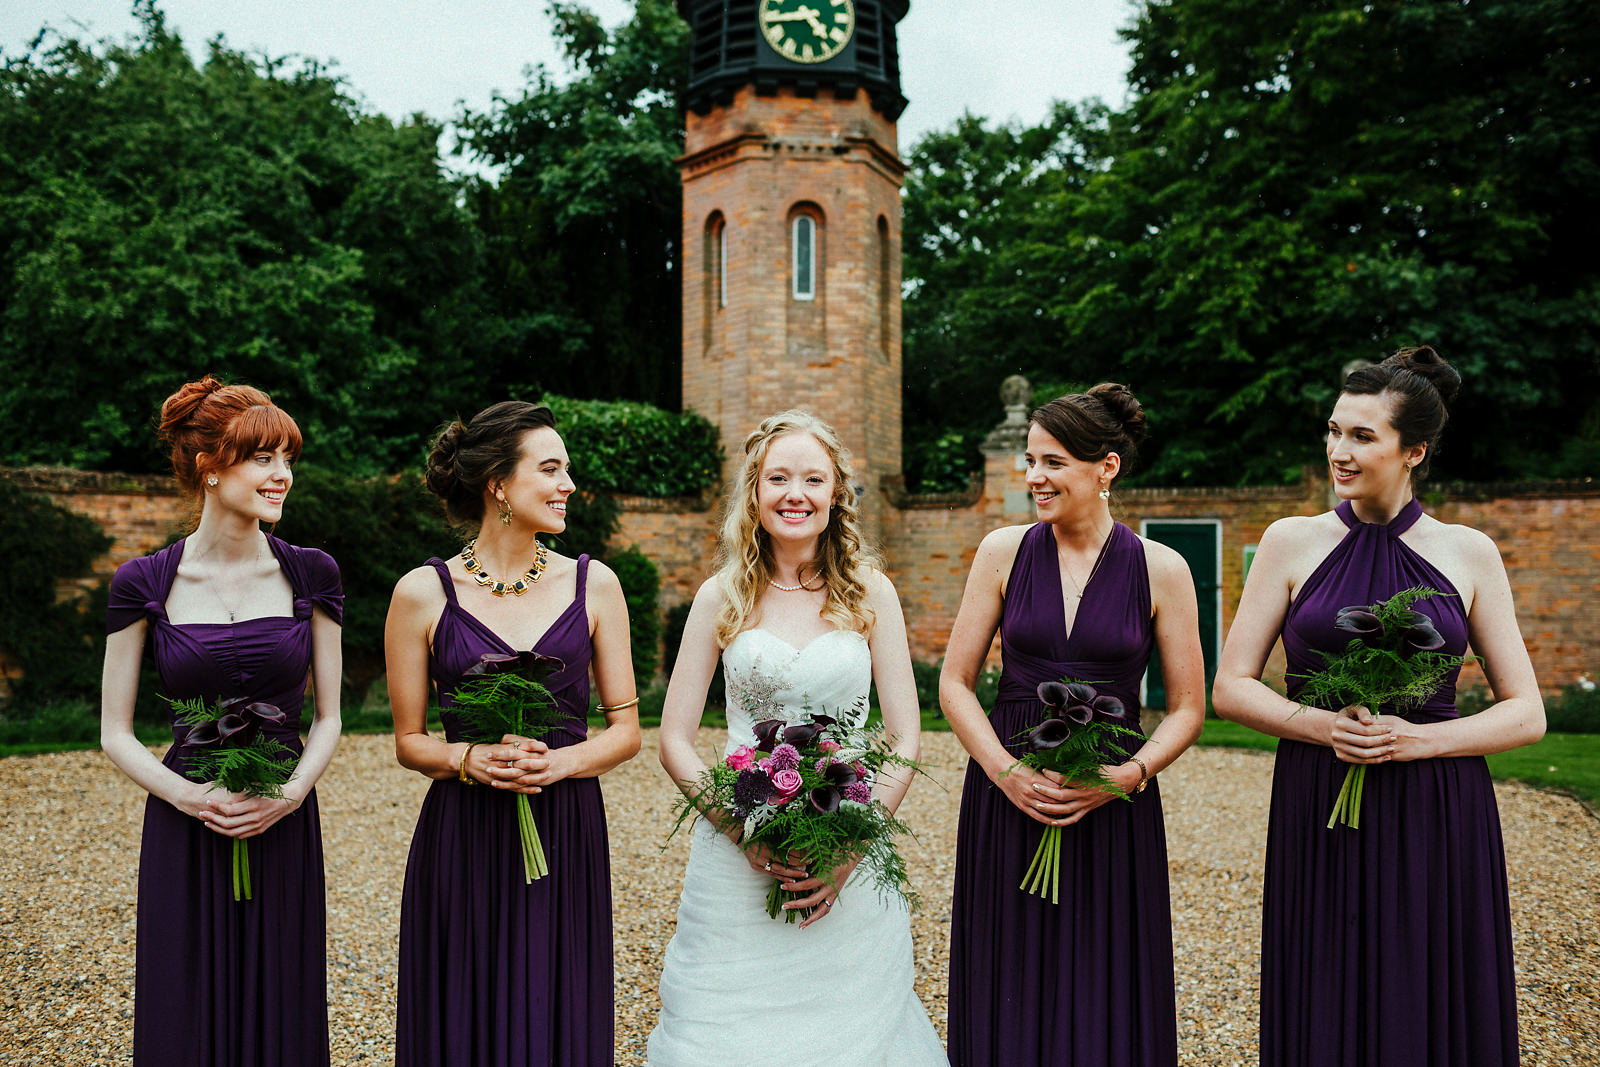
[(461, 771), (624, 706), (1144, 774)]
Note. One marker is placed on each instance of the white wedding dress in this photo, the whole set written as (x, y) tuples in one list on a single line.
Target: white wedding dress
[(738, 986)]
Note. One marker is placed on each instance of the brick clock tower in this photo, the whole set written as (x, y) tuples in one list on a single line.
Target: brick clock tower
[(791, 222)]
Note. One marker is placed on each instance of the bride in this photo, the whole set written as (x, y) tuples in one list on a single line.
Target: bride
[(803, 625)]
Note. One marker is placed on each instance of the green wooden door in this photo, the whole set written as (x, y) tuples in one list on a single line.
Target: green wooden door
[(1197, 541)]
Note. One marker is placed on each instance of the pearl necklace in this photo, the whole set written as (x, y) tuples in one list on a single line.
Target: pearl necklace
[(495, 585), (794, 588)]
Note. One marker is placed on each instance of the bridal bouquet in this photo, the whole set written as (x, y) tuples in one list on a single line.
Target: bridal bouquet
[(807, 788), (1392, 660), (225, 746), (506, 694), (1077, 746)]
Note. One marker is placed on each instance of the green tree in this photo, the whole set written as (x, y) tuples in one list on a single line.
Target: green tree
[(1295, 186), (244, 217), (584, 223)]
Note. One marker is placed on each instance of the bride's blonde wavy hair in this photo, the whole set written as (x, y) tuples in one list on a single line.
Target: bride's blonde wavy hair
[(744, 551)]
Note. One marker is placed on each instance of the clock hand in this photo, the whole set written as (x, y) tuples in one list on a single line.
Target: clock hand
[(811, 17), (791, 16)]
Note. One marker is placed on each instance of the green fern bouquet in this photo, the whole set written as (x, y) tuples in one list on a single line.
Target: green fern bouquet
[(1392, 661), (225, 746), (806, 788), (1077, 746), (506, 694)]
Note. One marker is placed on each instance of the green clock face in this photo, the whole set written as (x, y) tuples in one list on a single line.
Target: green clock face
[(807, 31)]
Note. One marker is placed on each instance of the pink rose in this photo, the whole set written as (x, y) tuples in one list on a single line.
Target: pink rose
[(741, 758), (785, 786), (829, 747)]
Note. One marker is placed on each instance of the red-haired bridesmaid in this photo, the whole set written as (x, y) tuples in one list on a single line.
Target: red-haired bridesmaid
[(229, 611)]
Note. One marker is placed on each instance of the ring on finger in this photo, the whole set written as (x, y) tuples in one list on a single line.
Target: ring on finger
[(826, 903), (767, 866)]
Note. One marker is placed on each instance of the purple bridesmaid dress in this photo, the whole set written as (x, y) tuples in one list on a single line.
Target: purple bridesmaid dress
[(496, 972), (1390, 944), (220, 981), (1087, 982)]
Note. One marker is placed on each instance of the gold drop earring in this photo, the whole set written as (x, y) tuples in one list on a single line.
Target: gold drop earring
[(505, 512)]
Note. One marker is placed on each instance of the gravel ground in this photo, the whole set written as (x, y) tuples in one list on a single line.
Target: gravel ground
[(70, 824)]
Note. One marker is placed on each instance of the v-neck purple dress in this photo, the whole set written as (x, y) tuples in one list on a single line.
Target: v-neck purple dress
[(1087, 982), (494, 971), (1390, 944), (220, 981)]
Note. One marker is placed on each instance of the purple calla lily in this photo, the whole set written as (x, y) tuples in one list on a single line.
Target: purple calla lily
[(1110, 706), (203, 735), (234, 729), (766, 732), (1079, 713), (802, 734), (531, 665), (826, 798), (1359, 622), (1082, 692), (1420, 637), (841, 774), (1052, 733), (1054, 695)]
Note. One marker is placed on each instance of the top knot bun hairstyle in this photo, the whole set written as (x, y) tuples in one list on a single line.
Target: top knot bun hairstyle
[(1092, 425), (212, 426), (466, 457), (1423, 386)]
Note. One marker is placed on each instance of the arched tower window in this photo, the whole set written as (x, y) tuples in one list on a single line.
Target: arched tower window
[(806, 321), (714, 274), (805, 252), (885, 282)]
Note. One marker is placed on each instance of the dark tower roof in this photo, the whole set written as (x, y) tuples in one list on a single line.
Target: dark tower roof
[(728, 52)]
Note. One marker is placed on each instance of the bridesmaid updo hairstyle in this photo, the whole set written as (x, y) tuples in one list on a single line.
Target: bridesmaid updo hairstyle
[(1092, 425), (1422, 385), (212, 426), (466, 457)]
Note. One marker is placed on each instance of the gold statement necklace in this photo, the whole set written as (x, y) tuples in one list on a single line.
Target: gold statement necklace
[(495, 585)]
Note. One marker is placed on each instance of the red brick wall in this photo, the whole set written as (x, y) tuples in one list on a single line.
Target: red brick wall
[(1548, 535)]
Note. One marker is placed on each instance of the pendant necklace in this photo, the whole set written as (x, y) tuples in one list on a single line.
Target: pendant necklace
[(1076, 588), (470, 561), (215, 584)]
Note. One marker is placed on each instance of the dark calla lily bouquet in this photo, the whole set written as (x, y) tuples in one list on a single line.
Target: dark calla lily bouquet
[(806, 788), (1392, 661), (1076, 745), (225, 746), (505, 694)]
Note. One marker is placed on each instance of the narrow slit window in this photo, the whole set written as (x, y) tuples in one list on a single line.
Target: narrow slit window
[(805, 257)]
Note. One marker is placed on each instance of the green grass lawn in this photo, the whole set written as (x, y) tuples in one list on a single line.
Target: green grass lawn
[(1569, 763)]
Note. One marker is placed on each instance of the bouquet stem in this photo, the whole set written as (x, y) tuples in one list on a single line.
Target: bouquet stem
[(241, 869), (1347, 806), (533, 861), (1045, 870), (778, 896)]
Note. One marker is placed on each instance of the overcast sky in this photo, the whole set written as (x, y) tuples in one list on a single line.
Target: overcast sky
[(1001, 59)]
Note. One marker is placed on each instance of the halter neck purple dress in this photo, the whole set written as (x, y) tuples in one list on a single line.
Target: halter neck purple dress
[(496, 972), (1390, 944), (220, 981), (1087, 982)]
